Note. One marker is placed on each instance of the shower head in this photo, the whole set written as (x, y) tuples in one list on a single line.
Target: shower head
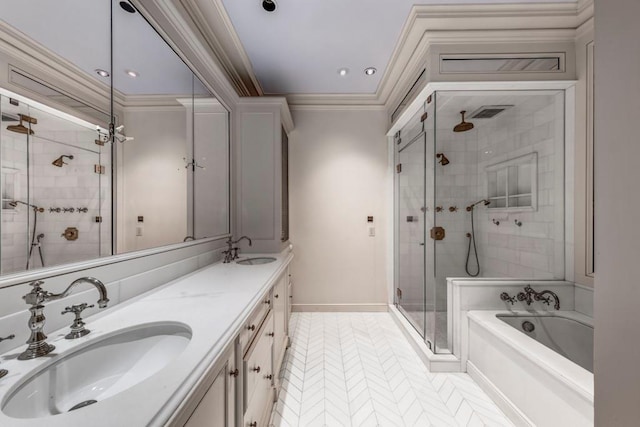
[(463, 126), (60, 160), (483, 201), (20, 128), (443, 159)]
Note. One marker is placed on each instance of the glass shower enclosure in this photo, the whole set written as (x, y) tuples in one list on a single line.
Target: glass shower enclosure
[(55, 185), (476, 196)]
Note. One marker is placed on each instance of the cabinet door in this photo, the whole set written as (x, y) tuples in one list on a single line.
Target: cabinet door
[(279, 318), (217, 407), (258, 361)]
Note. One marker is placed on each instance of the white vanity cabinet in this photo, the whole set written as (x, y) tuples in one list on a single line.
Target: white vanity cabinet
[(217, 408), (241, 389)]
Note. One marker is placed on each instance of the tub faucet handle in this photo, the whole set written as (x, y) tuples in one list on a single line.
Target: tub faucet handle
[(507, 298)]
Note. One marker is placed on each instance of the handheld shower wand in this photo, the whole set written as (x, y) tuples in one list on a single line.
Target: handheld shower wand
[(472, 239)]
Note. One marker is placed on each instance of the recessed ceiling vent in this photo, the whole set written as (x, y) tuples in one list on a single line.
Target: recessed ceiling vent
[(489, 111)]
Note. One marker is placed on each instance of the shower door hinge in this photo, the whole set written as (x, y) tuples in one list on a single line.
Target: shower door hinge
[(99, 169), (98, 219), (399, 168)]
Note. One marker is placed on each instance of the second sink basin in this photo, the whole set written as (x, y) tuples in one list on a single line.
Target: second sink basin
[(256, 261), (104, 368)]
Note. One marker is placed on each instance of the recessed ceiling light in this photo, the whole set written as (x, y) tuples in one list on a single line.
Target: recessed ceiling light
[(132, 74), (343, 71), (370, 71), (128, 7), (102, 73), (269, 5)]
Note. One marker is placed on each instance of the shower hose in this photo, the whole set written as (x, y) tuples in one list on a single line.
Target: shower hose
[(472, 239)]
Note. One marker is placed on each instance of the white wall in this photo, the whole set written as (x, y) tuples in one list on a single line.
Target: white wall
[(617, 209), (337, 177), (153, 178)]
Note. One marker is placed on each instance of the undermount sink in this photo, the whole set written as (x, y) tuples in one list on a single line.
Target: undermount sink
[(256, 261), (99, 370)]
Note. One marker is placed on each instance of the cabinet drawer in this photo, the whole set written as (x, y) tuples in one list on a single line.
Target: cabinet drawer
[(257, 366), (251, 327)]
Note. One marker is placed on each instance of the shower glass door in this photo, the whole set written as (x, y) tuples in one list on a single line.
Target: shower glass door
[(414, 213), (410, 181)]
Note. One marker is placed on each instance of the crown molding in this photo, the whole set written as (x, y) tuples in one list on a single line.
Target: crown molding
[(170, 19), (337, 107), (213, 22), (474, 24), (279, 102)]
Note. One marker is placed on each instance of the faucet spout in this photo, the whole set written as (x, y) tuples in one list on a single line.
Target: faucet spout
[(244, 237), (102, 290)]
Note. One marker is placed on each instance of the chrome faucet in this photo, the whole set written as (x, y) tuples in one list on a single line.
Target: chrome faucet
[(37, 341), (529, 295), (232, 252)]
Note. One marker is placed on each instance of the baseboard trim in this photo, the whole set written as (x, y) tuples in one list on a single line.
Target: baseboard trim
[(339, 307), (503, 402)]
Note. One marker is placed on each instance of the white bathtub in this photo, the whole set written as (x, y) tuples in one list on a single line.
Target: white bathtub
[(533, 383)]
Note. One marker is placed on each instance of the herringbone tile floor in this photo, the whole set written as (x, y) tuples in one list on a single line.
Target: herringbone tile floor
[(357, 369)]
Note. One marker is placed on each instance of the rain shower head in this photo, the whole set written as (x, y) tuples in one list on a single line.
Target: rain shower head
[(20, 128), (463, 126), (443, 159), (60, 160)]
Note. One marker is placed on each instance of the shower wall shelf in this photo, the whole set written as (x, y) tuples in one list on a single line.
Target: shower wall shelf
[(512, 184), (9, 188)]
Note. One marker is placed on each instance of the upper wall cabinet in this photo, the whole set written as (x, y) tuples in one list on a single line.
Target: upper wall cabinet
[(262, 172)]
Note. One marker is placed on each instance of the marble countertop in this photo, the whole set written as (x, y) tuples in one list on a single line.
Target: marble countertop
[(214, 302)]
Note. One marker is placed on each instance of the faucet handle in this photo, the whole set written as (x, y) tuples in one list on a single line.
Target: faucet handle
[(36, 295), (10, 337), (77, 309)]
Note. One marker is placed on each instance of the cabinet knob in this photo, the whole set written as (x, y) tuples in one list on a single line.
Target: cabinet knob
[(276, 296), (268, 301), (271, 334), (234, 373), (251, 327), (256, 369), (268, 377), (253, 424)]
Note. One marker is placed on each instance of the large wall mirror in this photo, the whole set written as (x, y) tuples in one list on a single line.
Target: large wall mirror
[(109, 142)]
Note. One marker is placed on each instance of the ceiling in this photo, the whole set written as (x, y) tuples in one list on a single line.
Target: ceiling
[(78, 31), (299, 48)]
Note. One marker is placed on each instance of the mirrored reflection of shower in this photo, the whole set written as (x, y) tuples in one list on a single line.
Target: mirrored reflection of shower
[(35, 239), (20, 128), (59, 162), (443, 159)]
